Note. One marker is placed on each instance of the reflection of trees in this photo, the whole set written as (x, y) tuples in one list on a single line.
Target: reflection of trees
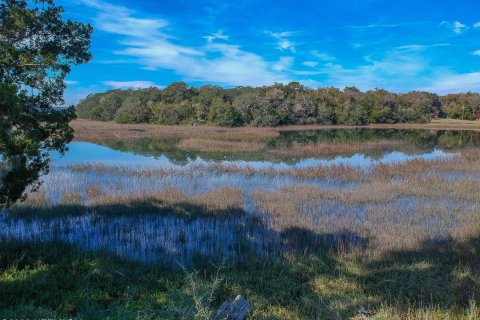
[(419, 140), (416, 141)]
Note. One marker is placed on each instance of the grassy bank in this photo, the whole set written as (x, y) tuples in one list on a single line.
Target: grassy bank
[(90, 130)]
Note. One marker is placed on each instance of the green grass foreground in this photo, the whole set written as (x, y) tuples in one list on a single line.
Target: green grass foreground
[(52, 280)]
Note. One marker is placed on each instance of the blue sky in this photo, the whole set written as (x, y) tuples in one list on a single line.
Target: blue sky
[(397, 45)]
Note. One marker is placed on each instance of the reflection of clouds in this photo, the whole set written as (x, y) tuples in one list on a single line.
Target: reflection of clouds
[(84, 152)]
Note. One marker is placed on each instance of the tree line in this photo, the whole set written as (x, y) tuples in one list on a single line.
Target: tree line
[(279, 104)]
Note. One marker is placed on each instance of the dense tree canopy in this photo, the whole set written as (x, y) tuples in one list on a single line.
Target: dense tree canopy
[(274, 105), (37, 49)]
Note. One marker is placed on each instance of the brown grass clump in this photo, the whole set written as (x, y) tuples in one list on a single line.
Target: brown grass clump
[(71, 198), (93, 192), (328, 149), (340, 173), (222, 201), (97, 131), (210, 145), (37, 199)]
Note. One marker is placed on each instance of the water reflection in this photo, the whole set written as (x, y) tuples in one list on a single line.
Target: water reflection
[(85, 152), (415, 141)]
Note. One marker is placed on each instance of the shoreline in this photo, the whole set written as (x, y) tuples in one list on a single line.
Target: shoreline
[(91, 130)]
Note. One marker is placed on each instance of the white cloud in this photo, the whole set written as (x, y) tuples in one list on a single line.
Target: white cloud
[(396, 70), (477, 25), (322, 56), (413, 47), (234, 66), (118, 20), (218, 35), (456, 26), (71, 82), (374, 26), (285, 63), (476, 53), (147, 42), (455, 83), (283, 40), (423, 46), (129, 84), (310, 63)]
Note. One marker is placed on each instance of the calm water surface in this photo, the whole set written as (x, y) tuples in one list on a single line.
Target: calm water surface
[(416, 144)]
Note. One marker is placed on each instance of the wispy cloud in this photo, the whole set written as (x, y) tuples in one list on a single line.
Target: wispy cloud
[(455, 83), (322, 56), (148, 42), (374, 26), (310, 63), (412, 47), (118, 20), (71, 82), (284, 42), (392, 71), (456, 26), (285, 63), (130, 84), (217, 35), (476, 53), (477, 25), (422, 46)]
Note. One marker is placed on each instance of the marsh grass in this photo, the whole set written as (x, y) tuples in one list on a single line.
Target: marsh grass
[(96, 131), (219, 202), (337, 148), (210, 145), (392, 241)]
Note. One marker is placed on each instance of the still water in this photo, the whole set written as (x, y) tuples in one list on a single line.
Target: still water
[(415, 144)]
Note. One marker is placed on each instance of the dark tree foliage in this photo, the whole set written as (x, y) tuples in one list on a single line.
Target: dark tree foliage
[(37, 49), (274, 105)]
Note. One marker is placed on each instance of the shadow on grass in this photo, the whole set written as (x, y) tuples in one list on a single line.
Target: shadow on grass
[(317, 276), (439, 273), (329, 282), (149, 205)]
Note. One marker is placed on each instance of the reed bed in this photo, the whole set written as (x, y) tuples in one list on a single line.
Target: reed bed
[(210, 145), (328, 149), (391, 217), (97, 131)]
